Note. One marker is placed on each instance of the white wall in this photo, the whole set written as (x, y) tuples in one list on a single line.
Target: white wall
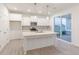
[(4, 25), (74, 23)]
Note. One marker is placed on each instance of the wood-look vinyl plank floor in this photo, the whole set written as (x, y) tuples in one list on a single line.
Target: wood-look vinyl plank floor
[(51, 50), (15, 47)]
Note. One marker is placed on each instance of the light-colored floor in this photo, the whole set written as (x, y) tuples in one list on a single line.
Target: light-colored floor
[(51, 50), (14, 47)]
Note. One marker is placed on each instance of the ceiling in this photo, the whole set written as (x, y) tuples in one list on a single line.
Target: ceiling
[(38, 8)]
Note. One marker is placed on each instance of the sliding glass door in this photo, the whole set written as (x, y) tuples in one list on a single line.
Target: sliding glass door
[(62, 25), (57, 25)]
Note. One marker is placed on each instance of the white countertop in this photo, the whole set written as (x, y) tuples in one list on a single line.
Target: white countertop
[(29, 33)]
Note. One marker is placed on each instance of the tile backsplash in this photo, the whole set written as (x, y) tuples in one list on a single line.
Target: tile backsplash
[(43, 28)]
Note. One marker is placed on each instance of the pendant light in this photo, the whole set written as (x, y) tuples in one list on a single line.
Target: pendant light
[(47, 7), (35, 6)]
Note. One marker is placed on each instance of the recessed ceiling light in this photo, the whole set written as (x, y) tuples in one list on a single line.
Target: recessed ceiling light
[(47, 17), (28, 10), (35, 17), (15, 8)]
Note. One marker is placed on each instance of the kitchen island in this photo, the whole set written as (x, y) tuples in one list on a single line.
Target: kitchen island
[(35, 40)]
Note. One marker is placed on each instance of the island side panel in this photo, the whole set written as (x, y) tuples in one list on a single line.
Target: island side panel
[(39, 41)]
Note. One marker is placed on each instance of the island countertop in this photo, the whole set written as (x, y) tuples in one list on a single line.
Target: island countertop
[(29, 33)]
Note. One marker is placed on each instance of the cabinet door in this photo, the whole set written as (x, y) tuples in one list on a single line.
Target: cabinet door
[(15, 17), (43, 22), (40, 22), (26, 21)]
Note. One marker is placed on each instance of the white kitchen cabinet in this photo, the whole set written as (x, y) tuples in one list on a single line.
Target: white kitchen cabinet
[(43, 22), (26, 21), (15, 17), (34, 18)]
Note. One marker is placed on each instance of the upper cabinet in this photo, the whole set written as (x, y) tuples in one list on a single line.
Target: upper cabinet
[(26, 21), (15, 17), (43, 22)]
